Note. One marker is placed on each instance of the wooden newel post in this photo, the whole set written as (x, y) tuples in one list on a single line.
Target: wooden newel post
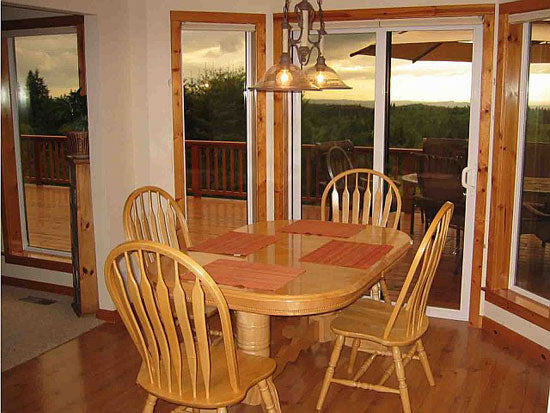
[(82, 226)]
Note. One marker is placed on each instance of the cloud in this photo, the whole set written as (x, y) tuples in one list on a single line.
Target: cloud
[(55, 57)]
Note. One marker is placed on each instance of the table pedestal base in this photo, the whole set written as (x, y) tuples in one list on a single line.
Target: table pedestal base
[(253, 337)]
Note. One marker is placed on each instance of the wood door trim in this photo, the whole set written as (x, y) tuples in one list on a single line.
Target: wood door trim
[(45, 262), (258, 20), (523, 6), (38, 285), (43, 22), (521, 306)]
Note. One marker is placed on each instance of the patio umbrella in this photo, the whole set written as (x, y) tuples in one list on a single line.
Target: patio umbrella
[(452, 51)]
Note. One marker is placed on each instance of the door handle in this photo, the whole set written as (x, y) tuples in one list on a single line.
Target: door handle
[(464, 177)]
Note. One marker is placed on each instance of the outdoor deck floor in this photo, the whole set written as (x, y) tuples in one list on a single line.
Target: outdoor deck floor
[(47, 211)]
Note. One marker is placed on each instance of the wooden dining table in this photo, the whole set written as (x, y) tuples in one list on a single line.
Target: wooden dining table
[(319, 289)]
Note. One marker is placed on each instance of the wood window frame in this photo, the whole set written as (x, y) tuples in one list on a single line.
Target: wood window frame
[(486, 12), (259, 22), (11, 214), (507, 107)]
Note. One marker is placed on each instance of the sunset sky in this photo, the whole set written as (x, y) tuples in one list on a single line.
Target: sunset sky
[(55, 57)]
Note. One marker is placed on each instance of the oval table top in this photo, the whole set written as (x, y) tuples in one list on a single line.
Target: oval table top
[(321, 288)]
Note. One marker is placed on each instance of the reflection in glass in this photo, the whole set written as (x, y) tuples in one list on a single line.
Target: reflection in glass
[(338, 125), (533, 263), (429, 121), (49, 105)]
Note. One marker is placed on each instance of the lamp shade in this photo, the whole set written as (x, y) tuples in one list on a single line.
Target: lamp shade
[(284, 77), (324, 77)]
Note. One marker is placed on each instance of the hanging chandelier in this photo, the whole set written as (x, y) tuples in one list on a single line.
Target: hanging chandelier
[(288, 77)]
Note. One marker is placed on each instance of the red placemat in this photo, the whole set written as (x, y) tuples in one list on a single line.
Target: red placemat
[(246, 274), (235, 243), (347, 254), (324, 228)]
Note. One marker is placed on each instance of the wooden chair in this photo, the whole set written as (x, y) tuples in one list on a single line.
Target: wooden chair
[(388, 328), (151, 213), (180, 365), (362, 202)]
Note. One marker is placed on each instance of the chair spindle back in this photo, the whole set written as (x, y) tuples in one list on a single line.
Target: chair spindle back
[(152, 214), (362, 200), (425, 263), (154, 323)]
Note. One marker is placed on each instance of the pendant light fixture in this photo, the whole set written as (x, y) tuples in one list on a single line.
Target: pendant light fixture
[(287, 77)]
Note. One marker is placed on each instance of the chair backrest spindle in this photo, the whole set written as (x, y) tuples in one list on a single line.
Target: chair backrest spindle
[(154, 322), (376, 207), (424, 264), (150, 213)]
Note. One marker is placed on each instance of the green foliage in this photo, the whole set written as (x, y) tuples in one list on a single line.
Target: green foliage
[(215, 108), (538, 125), (52, 116)]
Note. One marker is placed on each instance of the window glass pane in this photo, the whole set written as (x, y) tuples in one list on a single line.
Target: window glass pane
[(215, 120), (342, 118), (533, 264), (49, 105), (429, 120)]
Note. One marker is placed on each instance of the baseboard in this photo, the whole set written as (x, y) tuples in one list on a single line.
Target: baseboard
[(38, 285), (517, 340), (109, 316)]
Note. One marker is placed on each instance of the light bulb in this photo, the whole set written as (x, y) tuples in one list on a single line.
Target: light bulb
[(320, 78), (284, 77)]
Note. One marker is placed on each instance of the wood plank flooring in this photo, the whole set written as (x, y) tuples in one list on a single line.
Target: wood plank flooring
[(474, 372), (48, 216)]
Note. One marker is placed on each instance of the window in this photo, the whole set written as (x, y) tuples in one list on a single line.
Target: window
[(531, 267)]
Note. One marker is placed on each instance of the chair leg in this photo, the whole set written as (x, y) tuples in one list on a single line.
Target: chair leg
[(425, 363), (221, 410), (400, 371), (363, 369), (375, 292), (274, 394), (268, 404), (353, 355), (385, 290), (335, 356), (150, 404)]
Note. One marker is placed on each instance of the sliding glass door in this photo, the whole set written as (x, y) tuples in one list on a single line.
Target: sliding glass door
[(413, 114), (218, 66)]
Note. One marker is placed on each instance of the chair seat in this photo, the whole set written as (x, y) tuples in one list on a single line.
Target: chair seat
[(367, 319), (252, 369)]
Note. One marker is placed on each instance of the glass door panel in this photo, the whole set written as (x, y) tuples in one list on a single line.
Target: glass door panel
[(48, 106), (337, 126), (429, 126), (216, 72), (532, 272)]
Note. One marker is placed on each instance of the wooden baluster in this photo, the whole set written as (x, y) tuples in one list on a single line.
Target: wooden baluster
[(37, 162), (318, 190), (63, 163), (216, 170), (309, 191), (195, 171), (241, 176), (224, 169), (51, 174), (208, 170), (232, 169)]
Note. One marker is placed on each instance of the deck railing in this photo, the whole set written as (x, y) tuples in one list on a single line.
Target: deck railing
[(218, 168), (43, 159)]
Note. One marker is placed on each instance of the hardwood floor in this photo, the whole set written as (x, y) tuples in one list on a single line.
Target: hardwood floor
[(474, 372), (48, 216)]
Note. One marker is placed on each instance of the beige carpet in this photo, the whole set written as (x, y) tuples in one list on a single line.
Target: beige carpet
[(30, 329)]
